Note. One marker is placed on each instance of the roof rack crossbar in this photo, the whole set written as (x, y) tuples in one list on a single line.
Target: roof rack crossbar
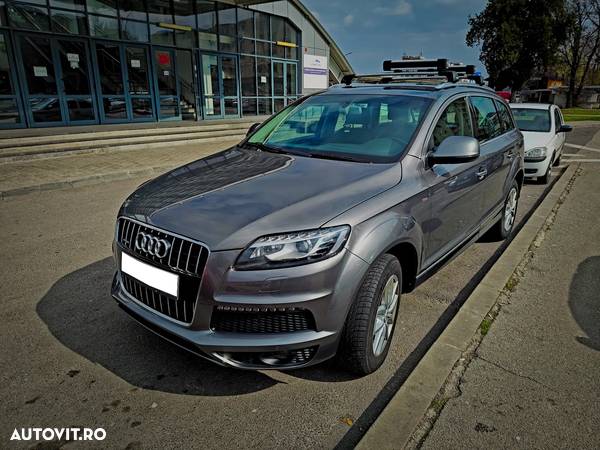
[(421, 69)]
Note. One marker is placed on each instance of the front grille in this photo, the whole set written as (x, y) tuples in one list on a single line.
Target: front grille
[(530, 170), (181, 309), (184, 256), (286, 321)]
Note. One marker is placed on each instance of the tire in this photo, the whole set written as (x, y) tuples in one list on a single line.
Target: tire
[(546, 177), (502, 229), (358, 351), (557, 161)]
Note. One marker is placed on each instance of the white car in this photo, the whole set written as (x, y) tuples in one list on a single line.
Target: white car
[(544, 131)]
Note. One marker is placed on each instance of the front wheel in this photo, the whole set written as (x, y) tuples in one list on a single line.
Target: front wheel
[(370, 324), (502, 229)]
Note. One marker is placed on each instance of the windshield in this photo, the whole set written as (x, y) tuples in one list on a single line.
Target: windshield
[(363, 128), (532, 119)]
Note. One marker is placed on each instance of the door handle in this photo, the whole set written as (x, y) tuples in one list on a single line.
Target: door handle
[(481, 173)]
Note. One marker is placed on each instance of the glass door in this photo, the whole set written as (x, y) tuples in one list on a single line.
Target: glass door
[(138, 84), (75, 84), (10, 106), (58, 89), (124, 82), (211, 86), (285, 84), (220, 86), (41, 84), (111, 82), (229, 79), (166, 84)]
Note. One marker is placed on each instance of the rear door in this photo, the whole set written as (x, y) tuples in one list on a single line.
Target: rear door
[(453, 195), (559, 139), (497, 147)]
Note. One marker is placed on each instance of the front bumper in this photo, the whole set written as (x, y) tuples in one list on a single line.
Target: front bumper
[(325, 289), (536, 168)]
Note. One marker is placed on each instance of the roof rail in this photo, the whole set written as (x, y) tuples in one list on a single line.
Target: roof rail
[(420, 70)]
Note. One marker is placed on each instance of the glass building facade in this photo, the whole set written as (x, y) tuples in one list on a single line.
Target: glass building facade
[(70, 62)]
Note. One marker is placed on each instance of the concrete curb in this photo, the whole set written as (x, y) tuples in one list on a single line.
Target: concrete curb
[(405, 411), (85, 181)]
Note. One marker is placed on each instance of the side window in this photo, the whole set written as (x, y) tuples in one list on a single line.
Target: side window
[(455, 121), (505, 117), (557, 119), (487, 121)]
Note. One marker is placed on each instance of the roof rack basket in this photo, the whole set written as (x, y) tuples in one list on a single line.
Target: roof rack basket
[(418, 70)]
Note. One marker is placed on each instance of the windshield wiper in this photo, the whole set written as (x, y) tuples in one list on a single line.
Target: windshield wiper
[(268, 148), (336, 157)]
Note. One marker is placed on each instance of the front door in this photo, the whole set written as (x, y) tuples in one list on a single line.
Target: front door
[(220, 86), (166, 84), (58, 86), (455, 196), (284, 84), (124, 82)]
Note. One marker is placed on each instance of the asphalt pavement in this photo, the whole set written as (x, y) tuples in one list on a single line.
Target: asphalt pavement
[(71, 358)]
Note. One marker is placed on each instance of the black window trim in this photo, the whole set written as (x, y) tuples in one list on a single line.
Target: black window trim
[(500, 104), (474, 117), (430, 147)]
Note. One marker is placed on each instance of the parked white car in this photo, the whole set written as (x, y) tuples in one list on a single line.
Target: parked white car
[(544, 131)]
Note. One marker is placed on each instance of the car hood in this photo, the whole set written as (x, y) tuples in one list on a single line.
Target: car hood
[(229, 199), (534, 139)]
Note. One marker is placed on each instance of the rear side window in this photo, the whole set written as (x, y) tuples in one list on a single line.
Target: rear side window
[(557, 119), (487, 122), (505, 117), (455, 121)]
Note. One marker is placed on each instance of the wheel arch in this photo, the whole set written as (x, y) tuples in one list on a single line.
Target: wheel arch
[(409, 262)]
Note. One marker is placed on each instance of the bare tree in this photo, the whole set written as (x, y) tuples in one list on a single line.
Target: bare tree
[(580, 51)]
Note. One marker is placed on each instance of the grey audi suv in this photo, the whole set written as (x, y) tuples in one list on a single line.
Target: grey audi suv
[(296, 245)]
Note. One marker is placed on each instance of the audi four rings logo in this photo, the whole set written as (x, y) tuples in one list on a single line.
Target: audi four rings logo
[(152, 245)]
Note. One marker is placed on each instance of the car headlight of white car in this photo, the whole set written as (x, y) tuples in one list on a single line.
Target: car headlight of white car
[(536, 154)]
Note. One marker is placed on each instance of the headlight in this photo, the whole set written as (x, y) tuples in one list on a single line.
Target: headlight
[(537, 152), (293, 249)]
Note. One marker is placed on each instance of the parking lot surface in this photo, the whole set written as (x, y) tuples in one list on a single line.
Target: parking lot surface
[(72, 358)]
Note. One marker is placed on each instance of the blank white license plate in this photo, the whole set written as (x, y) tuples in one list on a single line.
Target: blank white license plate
[(159, 279)]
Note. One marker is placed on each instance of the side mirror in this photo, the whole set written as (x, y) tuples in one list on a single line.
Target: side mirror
[(455, 150), (564, 128), (252, 128)]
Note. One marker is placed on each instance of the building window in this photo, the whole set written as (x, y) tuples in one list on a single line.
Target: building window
[(161, 36), (248, 76), (207, 25), (227, 29), (245, 23), (262, 26), (77, 5), (105, 7), (133, 9), (263, 76), (132, 30), (160, 11), (104, 27), (28, 16), (68, 22)]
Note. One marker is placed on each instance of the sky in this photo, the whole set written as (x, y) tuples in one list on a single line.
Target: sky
[(371, 31)]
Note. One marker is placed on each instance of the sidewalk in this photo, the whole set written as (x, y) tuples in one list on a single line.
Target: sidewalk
[(51, 173), (535, 379)]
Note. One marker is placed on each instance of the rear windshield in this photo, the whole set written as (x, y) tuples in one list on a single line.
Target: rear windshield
[(532, 119), (364, 128)]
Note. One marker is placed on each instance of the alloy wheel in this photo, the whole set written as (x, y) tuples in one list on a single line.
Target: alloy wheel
[(386, 315), (510, 209)]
